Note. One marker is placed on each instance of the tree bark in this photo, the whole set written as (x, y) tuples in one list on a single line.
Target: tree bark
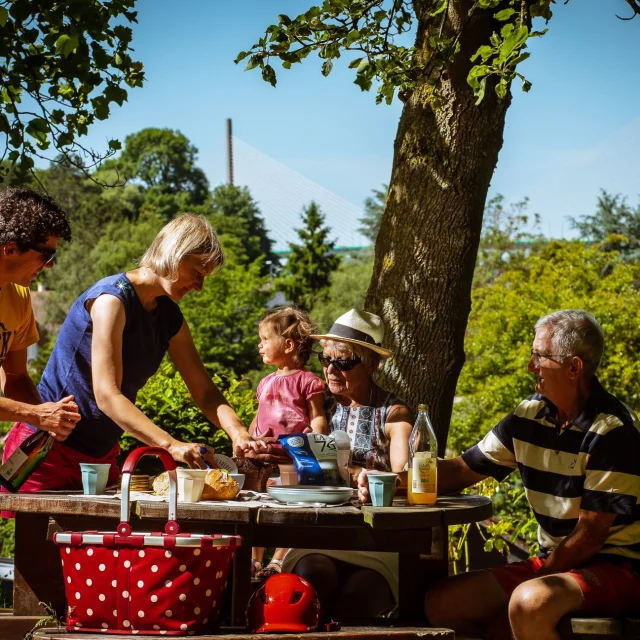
[(426, 250)]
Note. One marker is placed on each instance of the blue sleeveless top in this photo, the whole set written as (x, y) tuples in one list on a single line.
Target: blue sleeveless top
[(145, 341)]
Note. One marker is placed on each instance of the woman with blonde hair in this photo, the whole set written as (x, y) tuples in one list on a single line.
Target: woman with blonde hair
[(113, 340)]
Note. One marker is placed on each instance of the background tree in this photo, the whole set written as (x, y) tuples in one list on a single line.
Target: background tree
[(163, 161), (508, 237), (347, 290), (62, 66), (307, 273), (373, 210), (614, 223), (235, 213), (456, 83)]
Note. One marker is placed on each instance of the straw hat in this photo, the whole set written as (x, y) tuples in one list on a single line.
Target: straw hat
[(358, 327)]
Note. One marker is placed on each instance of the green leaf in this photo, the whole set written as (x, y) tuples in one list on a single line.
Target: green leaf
[(241, 56), (505, 14), (440, 7), (66, 45), (4, 16), (269, 75), (115, 145), (284, 19), (501, 88), (352, 37), (514, 41), (355, 63), (485, 52), (38, 128), (254, 61), (326, 68)]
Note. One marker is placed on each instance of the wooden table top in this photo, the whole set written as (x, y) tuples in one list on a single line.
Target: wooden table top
[(456, 509), (346, 633)]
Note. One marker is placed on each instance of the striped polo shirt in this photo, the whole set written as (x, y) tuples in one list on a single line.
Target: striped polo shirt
[(593, 464)]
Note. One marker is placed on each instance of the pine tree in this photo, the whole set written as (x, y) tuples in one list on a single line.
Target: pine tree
[(373, 210), (305, 278)]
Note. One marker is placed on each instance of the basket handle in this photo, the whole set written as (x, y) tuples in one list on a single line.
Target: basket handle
[(130, 464)]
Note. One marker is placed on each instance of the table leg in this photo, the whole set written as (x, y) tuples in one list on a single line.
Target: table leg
[(416, 573), (38, 571), (241, 578)]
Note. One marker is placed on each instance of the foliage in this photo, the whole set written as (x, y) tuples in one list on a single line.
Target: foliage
[(373, 210), (86, 260), (166, 401), (563, 275), (7, 537), (614, 223), (376, 33), (163, 161), (506, 239), (347, 290), (494, 379), (307, 274), (235, 213), (63, 65), (224, 316)]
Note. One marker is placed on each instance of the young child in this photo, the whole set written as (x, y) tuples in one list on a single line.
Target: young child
[(290, 398)]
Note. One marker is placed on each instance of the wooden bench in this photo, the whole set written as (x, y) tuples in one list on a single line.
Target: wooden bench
[(347, 633), (600, 629)]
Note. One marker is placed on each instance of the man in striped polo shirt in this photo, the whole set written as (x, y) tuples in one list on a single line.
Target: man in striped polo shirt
[(578, 451)]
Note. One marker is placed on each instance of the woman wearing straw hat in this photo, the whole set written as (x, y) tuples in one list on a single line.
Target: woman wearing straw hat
[(352, 583)]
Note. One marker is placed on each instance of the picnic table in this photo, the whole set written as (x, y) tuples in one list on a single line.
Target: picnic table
[(417, 533)]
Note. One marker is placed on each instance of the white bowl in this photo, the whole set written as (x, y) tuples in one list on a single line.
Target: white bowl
[(190, 484), (239, 478)]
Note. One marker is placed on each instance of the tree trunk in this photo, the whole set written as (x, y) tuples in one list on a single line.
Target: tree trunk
[(426, 249)]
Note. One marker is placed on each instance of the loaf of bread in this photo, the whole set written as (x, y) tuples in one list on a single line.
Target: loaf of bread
[(218, 485)]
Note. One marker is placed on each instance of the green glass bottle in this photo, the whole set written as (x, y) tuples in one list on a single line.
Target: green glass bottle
[(24, 460)]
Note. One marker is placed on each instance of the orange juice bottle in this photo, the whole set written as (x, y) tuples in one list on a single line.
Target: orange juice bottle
[(423, 466)]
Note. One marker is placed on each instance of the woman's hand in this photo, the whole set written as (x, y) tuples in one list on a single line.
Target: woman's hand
[(58, 418), (190, 454), (245, 444)]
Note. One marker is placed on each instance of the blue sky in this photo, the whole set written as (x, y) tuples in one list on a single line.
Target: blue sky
[(577, 131)]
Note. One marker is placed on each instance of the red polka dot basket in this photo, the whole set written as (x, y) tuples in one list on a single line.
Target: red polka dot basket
[(131, 583)]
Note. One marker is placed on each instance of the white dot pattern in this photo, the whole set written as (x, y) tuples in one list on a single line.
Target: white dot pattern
[(190, 599)]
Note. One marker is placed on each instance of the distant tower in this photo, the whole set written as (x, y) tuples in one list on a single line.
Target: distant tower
[(229, 153)]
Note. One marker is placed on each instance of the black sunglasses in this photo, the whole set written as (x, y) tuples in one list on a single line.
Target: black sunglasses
[(339, 363), (48, 255)]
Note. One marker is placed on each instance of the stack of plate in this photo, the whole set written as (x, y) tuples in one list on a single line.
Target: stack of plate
[(140, 483), (309, 494)]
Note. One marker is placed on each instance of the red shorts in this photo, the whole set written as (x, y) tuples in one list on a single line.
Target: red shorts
[(607, 588), (60, 469)]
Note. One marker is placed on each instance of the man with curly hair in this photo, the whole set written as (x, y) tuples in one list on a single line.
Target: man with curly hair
[(30, 226)]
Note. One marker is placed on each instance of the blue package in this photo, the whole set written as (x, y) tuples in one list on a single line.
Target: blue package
[(319, 460)]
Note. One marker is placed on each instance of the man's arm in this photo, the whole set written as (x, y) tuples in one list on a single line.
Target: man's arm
[(455, 475), (581, 544), (22, 402)]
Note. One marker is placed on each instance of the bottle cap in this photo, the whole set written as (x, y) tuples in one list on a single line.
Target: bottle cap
[(422, 407)]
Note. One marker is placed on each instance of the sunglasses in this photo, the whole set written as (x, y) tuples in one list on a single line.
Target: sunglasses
[(48, 255), (339, 363)]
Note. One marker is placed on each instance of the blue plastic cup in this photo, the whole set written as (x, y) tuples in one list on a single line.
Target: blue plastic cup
[(94, 478), (382, 488)]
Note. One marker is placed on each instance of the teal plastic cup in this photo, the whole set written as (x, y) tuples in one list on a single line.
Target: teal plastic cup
[(382, 488), (94, 478)]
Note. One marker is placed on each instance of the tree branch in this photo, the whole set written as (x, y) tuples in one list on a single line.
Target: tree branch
[(635, 7)]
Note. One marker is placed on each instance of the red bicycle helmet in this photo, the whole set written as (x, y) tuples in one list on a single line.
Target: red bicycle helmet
[(284, 602)]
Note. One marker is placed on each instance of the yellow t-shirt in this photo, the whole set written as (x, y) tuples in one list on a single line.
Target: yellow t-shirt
[(17, 324)]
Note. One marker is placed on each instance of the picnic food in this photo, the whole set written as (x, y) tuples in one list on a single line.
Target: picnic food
[(318, 459), (423, 469), (218, 485), (256, 473)]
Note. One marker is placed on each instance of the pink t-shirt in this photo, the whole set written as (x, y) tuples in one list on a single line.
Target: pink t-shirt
[(282, 402)]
